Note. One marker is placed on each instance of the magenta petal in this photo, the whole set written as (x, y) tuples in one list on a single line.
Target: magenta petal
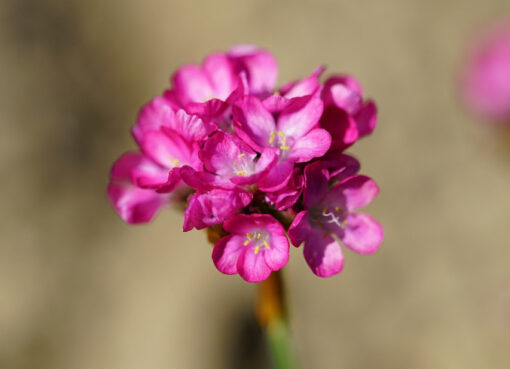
[(259, 66), (140, 170), (277, 177), (345, 98), (304, 87), (313, 145), (203, 181), (341, 166), (169, 150), (300, 116), (353, 193), (342, 127), (323, 255), (366, 119), (172, 181), (192, 85), (190, 127), (362, 233), (348, 81), (133, 204), (153, 116), (253, 123), (214, 207), (252, 267), (288, 195), (300, 229), (278, 256), (316, 183), (276, 103), (219, 70), (226, 253)]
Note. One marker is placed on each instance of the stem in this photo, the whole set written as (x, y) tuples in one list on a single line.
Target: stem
[(271, 314)]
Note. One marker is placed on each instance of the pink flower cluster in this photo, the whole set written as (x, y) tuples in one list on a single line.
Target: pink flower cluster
[(486, 79), (255, 161)]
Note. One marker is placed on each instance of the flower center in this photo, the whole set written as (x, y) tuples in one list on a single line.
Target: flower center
[(244, 165), (279, 139), (334, 216), (258, 239)]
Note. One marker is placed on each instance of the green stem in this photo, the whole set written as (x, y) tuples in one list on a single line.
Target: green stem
[(272, 317), (280, 344)]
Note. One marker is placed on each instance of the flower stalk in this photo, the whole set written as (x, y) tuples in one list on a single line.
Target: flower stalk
[(271, 314)]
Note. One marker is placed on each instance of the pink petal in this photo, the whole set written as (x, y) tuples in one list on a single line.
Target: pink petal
[(190, 127), (345, 98), (259, 66), (252, 267), (342, 127), (214, 207), (300, 116), (219, 70), (353, 193), (278, 253), (226, 253), (313, 145), (192, 85), (152, 117), (169, 150), (275, 103), (362, 233), (203, 181), (300, 228), (140, 170), (366, 119), (323, 255), (316, 184), (348, 81), (277, 177), (133, 204), (304, 87), (252, 122)]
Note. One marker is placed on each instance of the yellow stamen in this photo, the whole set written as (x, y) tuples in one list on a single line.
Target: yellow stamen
[(241, 155), (256, 250), (249, 235), (266, 244), (246, 243), (337, 208), (241, 173), (258, 236), (175, 162)]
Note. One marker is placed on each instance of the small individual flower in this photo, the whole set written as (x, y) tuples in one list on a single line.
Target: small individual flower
[(295, 133), (329, 213), (346, 116), (486, 79), (227, 156), (255, 247)]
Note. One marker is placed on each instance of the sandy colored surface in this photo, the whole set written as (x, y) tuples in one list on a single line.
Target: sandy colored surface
[(79, 289)]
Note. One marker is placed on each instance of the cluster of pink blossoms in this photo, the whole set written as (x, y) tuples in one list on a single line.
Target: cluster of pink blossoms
[(486, 79), (256, 162)]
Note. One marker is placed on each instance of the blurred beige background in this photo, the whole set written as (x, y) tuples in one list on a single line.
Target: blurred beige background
[(80, 289)]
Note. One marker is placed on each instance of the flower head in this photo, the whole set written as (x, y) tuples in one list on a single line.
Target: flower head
[(252, 161)]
